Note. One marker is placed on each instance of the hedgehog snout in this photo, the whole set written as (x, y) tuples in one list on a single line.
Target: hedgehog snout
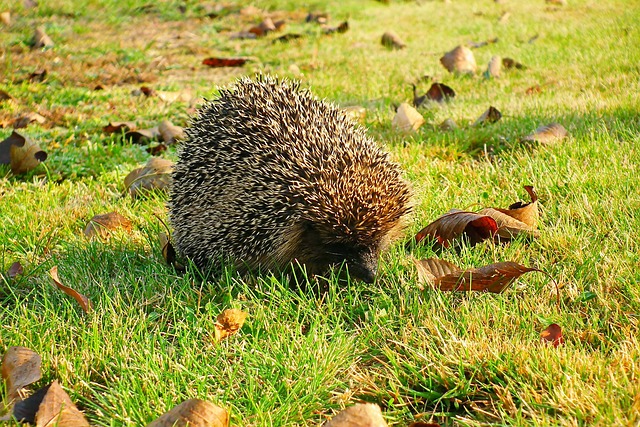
[(364, 266)]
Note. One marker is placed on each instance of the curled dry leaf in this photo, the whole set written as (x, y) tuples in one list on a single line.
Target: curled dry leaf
[(156, 149), (494, 68), (41, 39), (492, 115), (81, 299), (169, 132), (455, 223), (508, 227), (142, 136), (193, 413), (15, 270), (117, 127), (342, 28), (446, 276), (265, 27), (358, 415), (21, 153), (525, 212), (548, 134), (407, 118), (53, 408), (228, 323), (20, 367), (5, 18), (552, 335), (24, 120), (224, 62), (393, 41), (155, 175), (103, 225), (460, 60), (440, 92), (356, 113)]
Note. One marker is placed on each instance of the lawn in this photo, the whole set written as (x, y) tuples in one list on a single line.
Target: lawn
[(421, 354)]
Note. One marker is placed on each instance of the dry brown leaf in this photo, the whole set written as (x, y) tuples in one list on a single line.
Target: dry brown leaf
[(81, 299), (228, 323), (156, 149), (21, 153), (448, 125), (5, 18), (356, 113), (492, 115), (548, 134), (393, 41), (358, 415), (342, 28), (509, 63), (142, 136), (224, 62), (15, 270), (102, 225), (169, 132), (407, 118), (440, 92), (494, 68), (20, 367), (508, 227), (41, 39), (265, 27), (155, 175), (193, 413), (552, 335), (491, 278), (460, 60), (525, 212), (25, 119), (454, 223), (117, 127), (57, 410)]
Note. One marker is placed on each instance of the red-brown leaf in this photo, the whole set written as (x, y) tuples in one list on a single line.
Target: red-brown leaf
[(440, 92), (81, 299), (455, 223), (552, 335), (224, 62)]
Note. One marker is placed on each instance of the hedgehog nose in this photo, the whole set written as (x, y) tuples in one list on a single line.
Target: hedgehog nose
[(365, 271), (368, 275)]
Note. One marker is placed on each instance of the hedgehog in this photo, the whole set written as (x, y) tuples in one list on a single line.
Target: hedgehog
[(269, 177)]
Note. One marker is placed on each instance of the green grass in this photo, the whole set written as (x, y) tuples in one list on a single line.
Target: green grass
[(460, 360)]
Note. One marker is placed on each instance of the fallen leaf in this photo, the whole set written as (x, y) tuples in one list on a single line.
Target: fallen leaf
[(525, 212), (448, 125), (228, 323), (147, 91), (57, 410), (552, 335), (509, 63), (38, 75), (20, 367), (21, 153), (547, 134), (224, 62), (15, 270), (455, 223), (169, 132), (4, 96), (142, 136), (155, 175), (169, 252), (460, 60), (356, 113), (342, 28), (84, 302), (265, 27), (446, 276), (41, 39), (26, 119), (407, 118), (102, 225), (392, 41), (118, 127), (5, 18), (492, 115), (318, 17), (440, 92), (358, 415), (508, 227), (193, 413), (494, 68)]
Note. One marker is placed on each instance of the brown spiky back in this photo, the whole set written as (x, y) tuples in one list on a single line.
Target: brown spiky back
[(265, 163)]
